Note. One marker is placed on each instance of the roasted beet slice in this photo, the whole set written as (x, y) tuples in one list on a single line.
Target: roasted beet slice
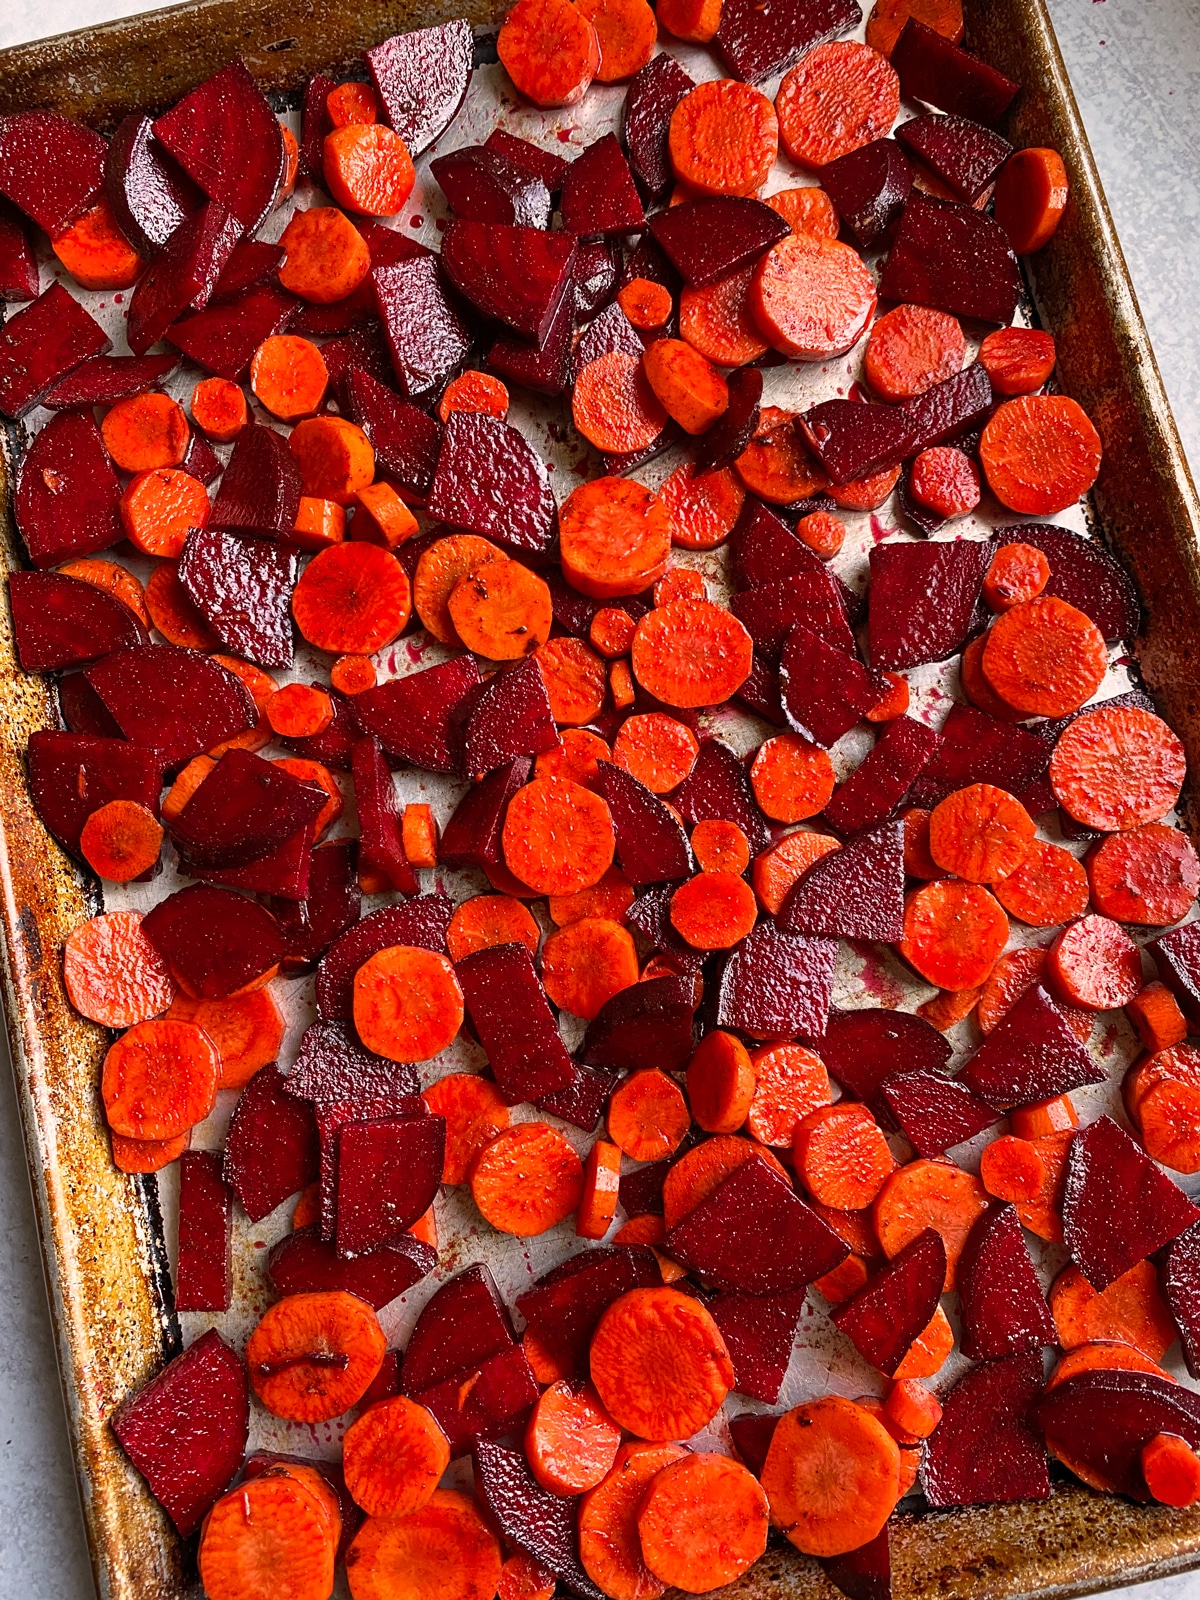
[(709, 239), (333, 1066), (335, 746), (252, 262), (718, 789), (260, 492), (362, 350), (649, 101), (67, 500), (426, 337), (388, 1174), (51, 167), (332, 1116), (73, 774), (922, 599), (186, 1430), (332, 904), (649, 1021), (64, 622), (952, 407), (18, 264), (540, 367), (203, 1276), (543, 164), (516, 1027), (406, 441), (483, 185), (223, 338), (271, 1151), (986, 1447), (491, 481), (752, 1432), (242, 808), (510, 716), (853, 439), (1180, 1278), (216, 941), (776, 985), (953, 258), (965, 155), (1000, 1299), (650, 914), (895, 1307), (82, 708), (471, 838), (869, 187), (934, 1112), (411, 717), (598, 191), (865, 1573), (641, 1191), (281, 872), (856, 892), (812, 600), (731, 433), (565, 1304), (879, 783), (759, 1331), (651, 844), (103, 380), (461, 1328), (515, 276), (380, 845), (761, 691), (976, 748), (176, 702), (595, 278), (1031, 1054), (201, 460), (184, 273), (756, 43), (611, 331), (422, 78), (763, 548), (582, 1101), (149, 195), (227, 139), (1085, 574), (1118, 1206), (1102, 1420), (315, 126), (934, 69), (540, 1523), (488, 1403), (861, 1048), (243, 590), (1177, 958), (42, 343), (422, 921), (304, 1263)]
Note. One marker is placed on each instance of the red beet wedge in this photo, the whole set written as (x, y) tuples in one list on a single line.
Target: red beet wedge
[(422, 78), (648, 1021), (895, 1307), (651, 844), (759, 1331), (204, 1277), (41, 344), (1180, 1277), (649, 101), (935, 1113), (487, 1403), (965, 155), (598, 191), (426, 337), (412, 717), (566, 1303), (184, 273), (243, 806), (223, 338), (856, 892), (490, 481), (938, 71), (332, 1066), (148, 193), (509, 717), (171, 700), (878, 785), (869, 187), (103, 380), (332, 1116), (388, 1174), (777, 985), (226, 138), (986, 1449), (863, 1047), (756, 43), (380, 845), (483, 185), (271, 1149), (73, 774), (243, 590), (514, 276), (215, 941), (304, 1263), (976, 748), (540, 1523), (63, 622), (1101, 1421), (1085, 574), (406, 441), (51, 167), (718, 788), (953, 258), (462, 1326), (922, 600), (516, 1027), (1000, 1299), (709, 239), (260, 492), (1031, 1054)]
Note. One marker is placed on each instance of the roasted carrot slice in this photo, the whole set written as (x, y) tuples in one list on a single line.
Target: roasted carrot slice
[(720, 1082), (836, 98), (703, 1522), (776, 464), (160, 508), (490, 919), (288, 376), (659, 750), (550, 51), (723, 138), (573, 673), (353, 674), (806, 210), (611, 631), (980, 833), (112, 973), (689, 388), (352, 103), (393, 1457), (620, 685), (945, 481), (659, 1364), (247, 1030), (327, 258), (948, 1007), (702, 508), (601, 1182), (792, 778), (1031, 196), (720, 846), (1045, 657), (271, 1535), (929, 1351), (95, 251), (614, 406), (1156, 1016), (444, 1548), (825, 534), (147, 1155), (929, 1194), (611, 898), (501, 611), (713, 910), (910, 349), (1103, 1355), (159, 1079), (842, 1156), (1050, 886), (1117, 769), (864, 494), (172, 612), (1017, 360), (121, 840), (647, 304), (718, 320), (585, 963), (790, 1083), (812, 297), (523, 1578), (1130, 1310), (407, 1003), (887, 19), (1148, 875), (571, 1441), (474, 391), (558, 837), (1012, 1168), (695, 1175), (312, 1356), (953, 933), (912, 1409), (831, 1476), (777, 869), (1041, 453), (299, 710), (145, 431), (1018, 572), (475, 1113), (335, 457), (614, 537), (1094, 964), (367, 168), (648, 1116), (694, 20), (627, 32), (609, 1545), (846, 1279), (438, 572), (691, 653), (526, 1180), (1169, 1122), (1171, 1469), (352, 598)]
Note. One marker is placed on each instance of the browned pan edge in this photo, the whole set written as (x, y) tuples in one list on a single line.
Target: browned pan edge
[(100, 1235)]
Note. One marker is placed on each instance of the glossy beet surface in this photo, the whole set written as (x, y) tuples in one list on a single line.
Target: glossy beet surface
[(856, 892), (412, 717), (243, 590), (894, 1307), (242, 808), (647, 1021), (406, 441), (216, 941), (183, 274), (1031, 1054), (422, 78), (954, 259), (536, 1521), (225, 137), (387, 1176), (512, 1016), (733, 431), (756, 44), (922, 600), (509, 716), (987, 1447), (717, 787), (172, 700), (598, 191), (51, 167), (511, 275), (482, 185), (1000, 1299), (492, 1401), (271, 1150), (936, 70), (758, 1331), (777, 985), (709, 239), (41, 344), (869, 187), (651, 844), (62, 622), (935, 1113), (223, 338), (490, 481), (885, 776), (463, 1325), (304, 1263), (865, 1046), (1101, 1420), (649, 101)]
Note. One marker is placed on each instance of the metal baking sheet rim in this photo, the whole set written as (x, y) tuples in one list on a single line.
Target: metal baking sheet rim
[(101, 1249)]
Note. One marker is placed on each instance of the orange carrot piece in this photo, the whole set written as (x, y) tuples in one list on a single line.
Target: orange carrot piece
[(777, 869), (1094, 964), (694, 20), (720, 1082), (146, 431), (911, 1407), (1049, 887), (614, 536), (1116, 769), (713, 910), (147, 1155), (546, 1367), (352, 598), (601, 1181), (790, 1084), (159, 1079), (327, 258), (832, 1476), (620, 685), (945, 481), (1156, 1016), (438, 572), (1131, 1310), (475, 1113), (288, 376), (586, 962), (977, 688), (1044, 1116), (299, 710), (114, 579), (270, 1535), (691, 653), (186, 783), (558, 837), (574, 675), (812, 297), (776, 464), (319, 523), (121, 840), (1171, 1469), (887, 19), (647, 305), (352, 674), (1103, 1355), (703, 1522), (501, 611), (723, 138), (247, 1030), (720, 847), (113, 975), (953, 933), (702, 508), (611, 632), (1011, 1168), (689, 387), (792, 778), (335, 458), (717, 320), (550, 51), (609, 1545), (806, 210), (1017, 360), (659, 1364), (1169, 1122), (474, 391), (918, 863), (1041, 453), (1045, 657), (419, 835), (407, 1003), (928, 1353), (571, 1442), (307, 1209), (846, 1279), (836, 98), (393, 1457), (627, 31), (910, 349), (291, 165), (312, 1356), (841, 1155), (95, 251), (695, 1175), (611, 898), (1031, 196), (980, 833), (523, 1578), (313, 772), (368, 169), (657, 749), (1018, 572), (948, 1007), (160, 507), (526, 1180), (1042, 1215), (648, 1116), (1013, 973), (352, 103), (1148, 875), (864, 494), (824, 534), (412, 1556), (613, 405), (929, 1194)]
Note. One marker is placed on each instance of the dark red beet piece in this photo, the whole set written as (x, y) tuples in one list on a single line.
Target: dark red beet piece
[(483, 185), (752, 1432), (471, 838), (51, 167), (491, 481), (755, 1234), (883, 777), (541, 367), (271, 1150), (1001, 1303), (511, 717), (388, 1175), (363, 350), (1179, 1275), (718, 789), (1085, 574), (949, 408), (758, 43), (641, 1191), (935, 1113), (1031, 1054), (651, 844), (649, 101), (335, 746), (82, 708), (64, 622), (406, 441), (73, 774), (174, 701), (582, 1101), (986, 1448), (825, 692), (761, 691), (764, 548), (516, 1027), (649, 1021), (281, 871), (611, 331), (1177, 958), (184, 273), (543, 164), (965, 155), (260, 491), (856, 892), (711, 238), (869, 187), (922, 600), (42, 343), (67, 500), (515, 276), (204, 1276), (1118, 1206), (650, 914), (487, 1403), (304, 1263), (201, 460), (412, 717), (103, 380), (216, 941), (565, 1304), (732, 432), (865, 1573), (333, 1066), (811, 599), (332, 1116), (776, 985), (18, 264), (223, 338), (935, 70), (148, 194), (422, 78), (464, 1325), (227, 139), (540, 1523), (976, 748), (852, 438), (594, 278), (759, 1331), (863, 1047), (598, 191), (253, 261), (186, 1430), (333, 904), (953, 258), (241, 809), (1103, 1419), (243, 590), (380, 846), (884, 1317), (426, 337), (315, 126)]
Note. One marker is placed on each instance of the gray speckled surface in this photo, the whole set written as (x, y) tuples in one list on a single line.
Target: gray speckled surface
[(1135, 65)]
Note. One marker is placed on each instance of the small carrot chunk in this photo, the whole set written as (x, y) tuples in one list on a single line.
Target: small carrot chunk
[(1171, 1469), (846, 1279), (557, 837), (777, 869), (288, 376), (865, 494), (352, 598), (657, 749), (147, 1155), (648, 305), (95, 251), (474, 391), (679, 583), (475, 1113), (438, 572), (694, 20), (299, 710), (945, 481), (1041, 453), (160, 507), (614, 537), (1094, 963), (586, 962), (806, 210), (319, 523), (270, 1535), (1043, 1117), (353, 674), (614, 406), (611, 898), (601, 1182), (1103, 1355), (1018, 572), (824, 534), (713, 910), (929, 1352), (350, 104), (703, 1522), (1156, 1017), (648, 1116), (689, 388), (335, 458), (910, 349), (573, 673), (247, 1030), (113, 975), (776, 464), (327, 258), (790, 1084), (887, 19), (145, 431), (121, 840), (837, 98), (659, 1364), (419, 835), (526, 1180), (523, 1578), (611, 632), (550, 51), (620, 685), (831, 1475), (1011, 1168), (1031, 196), (1148, 875), (159, 1079), (720, 1082), (691, 653), (368, 169), (1131, 1310), (929, 1194), (571, 1442), (912, 1408), (953, 933), (723, 138), (720, 846), (702, 507), (842, 1156), (1116, 769), (812, 297), (1017, 360), (792, 778)]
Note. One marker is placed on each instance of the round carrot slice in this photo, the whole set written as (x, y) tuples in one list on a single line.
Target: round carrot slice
[(160, 508), (576, 757), (526, 1180), (614, 406), (113, 579), (1031, 196), (159, 1079), (1095, 964), (611, 898), (659, 1364), (575, 679), (247, 1030), (929, 1194), (718, 320), (407, 1003), (720, 846), (353, 674), (288, 376), (501, 610), (831, 1476), (586, 962), (691, 653), (887, 19), (571, 1442), (1048, 887), (146, 431), (981, 833), (1017, 360), (219, 409), (445, 1548), (790, 1082), (490, 919), (352, 599), (299, 711), (806, 210), (720, 1082), (438, 572), (776, 870), (523, 1578), (776, 464), (1116, 769), (313, 1356), (1018, 572), (648, 1116), (703, 1522), (611, 631), (689, 388), (474, 1111), (1045, 658), (95, 251), (147, 1155), (1149, 875), (836, 98), (393, 1457), (953, 933), (658, 750), (723, 138), (694, 20), (1041, 453), (327, 258), (842, 1156), (1012, 1169), (812, 297), (627, 31), (367, 168), (825, 534), (335, 458), (864, 494), (792, 778), (945, 481), (269, 1536), (713, 910), (648, 305), (550, 51), (609, 1545), (112, 973), (614, 538), (910, 349), (558, 837)]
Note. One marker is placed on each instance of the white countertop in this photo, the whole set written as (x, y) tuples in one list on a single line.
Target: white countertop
[(1135, 66)]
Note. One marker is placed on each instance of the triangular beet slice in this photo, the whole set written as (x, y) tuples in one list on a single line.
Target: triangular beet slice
[(148, 193), (1084, 573), (582, 1101), (243, 590), (541, 367), (776, 985), (718, 790), (516, 1027), (271, 1151), (509, 717), (183, 273), (427, 339), (865, 1573), (215, 940), (380, 844), (1180, 1276), (813, 600), (565, 1304), (650, 1021), (471, 838), (227, 139), (304, 1263), (894, 1308), (598, 191), (1031, 1054), (1177, 959), (965, 155), (186, 1430), (754, 1233), (412, 716), (51, 166), (651, 844), (1102, 1421), (649, 101), (241, 809), (863, 1047), (491, 481), (922, 599), (483, 185), (853, 439), (260, 491), (332, 1065), (710, 238), (389, 1170), (42, 343), (405, 439), (422, 921), (223, 338), (422, 78), (869, 186), (63, 622), (543, 164), (515, 276), (933, 68), (1000, 1299), (934, 1112), (856, 892), (759, 1331), (540, 1523), (461, 1327), (1118, 1206), (949, 409), (73, 774), (252, 262), (282, 871), (952, 258), (763, 548), (103, 380), (884, 776), (824, 691), (986, 1448), (332, 904), (731, 433), (488, 1403), (81, 514), (174, 701), (611, 332), (976, 748), (332, 1116), (756, 43)]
